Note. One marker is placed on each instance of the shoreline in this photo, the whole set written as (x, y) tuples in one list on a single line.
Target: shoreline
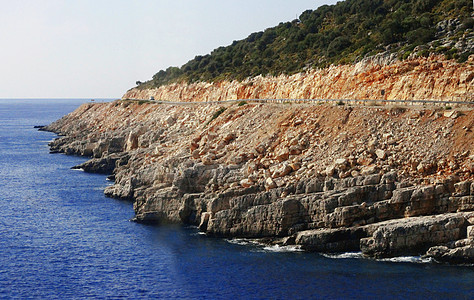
[(233, 176)]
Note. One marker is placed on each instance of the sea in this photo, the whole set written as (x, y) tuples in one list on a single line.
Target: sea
[(61, 238)]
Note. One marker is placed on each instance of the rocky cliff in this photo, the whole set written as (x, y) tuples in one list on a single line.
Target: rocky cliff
[(418, 78), (386, 181)]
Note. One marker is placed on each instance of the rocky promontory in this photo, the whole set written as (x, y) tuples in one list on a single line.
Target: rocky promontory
[(384, 180)]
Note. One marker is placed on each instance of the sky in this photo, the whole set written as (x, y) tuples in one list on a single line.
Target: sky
[(100, 48)]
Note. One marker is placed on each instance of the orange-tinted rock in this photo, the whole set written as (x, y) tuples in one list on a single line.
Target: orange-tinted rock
[(421, 78)]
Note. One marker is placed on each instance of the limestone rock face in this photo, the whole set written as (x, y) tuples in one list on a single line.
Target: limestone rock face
[(419, 78), (460, 255), (413, 235), (310, 175), (460, 251)]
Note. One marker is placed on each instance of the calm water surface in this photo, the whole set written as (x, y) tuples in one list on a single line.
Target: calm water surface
[(61, 238)]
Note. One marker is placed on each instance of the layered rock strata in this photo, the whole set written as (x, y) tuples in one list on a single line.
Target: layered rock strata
[(386, 181), (375, 78)]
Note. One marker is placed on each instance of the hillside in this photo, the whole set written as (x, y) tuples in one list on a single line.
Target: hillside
[(383, 180), (343, 33), (386, 181)]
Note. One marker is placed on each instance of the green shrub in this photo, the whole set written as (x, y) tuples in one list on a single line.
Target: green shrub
[(424, 53), (331, 34), (140, 102), (216, 115), (464, 56), (406, 54)]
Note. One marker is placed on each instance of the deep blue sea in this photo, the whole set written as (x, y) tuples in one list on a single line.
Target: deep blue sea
[(60, 237)]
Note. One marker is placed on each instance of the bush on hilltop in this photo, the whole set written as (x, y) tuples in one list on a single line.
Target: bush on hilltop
[(332, 34)]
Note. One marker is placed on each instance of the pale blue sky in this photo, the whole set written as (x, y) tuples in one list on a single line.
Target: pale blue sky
[(99, 48)]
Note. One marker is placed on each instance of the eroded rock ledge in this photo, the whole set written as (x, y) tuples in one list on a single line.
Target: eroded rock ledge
[(387, 181)]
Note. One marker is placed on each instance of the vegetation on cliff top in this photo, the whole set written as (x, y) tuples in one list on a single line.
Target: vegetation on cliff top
[(336, 34)]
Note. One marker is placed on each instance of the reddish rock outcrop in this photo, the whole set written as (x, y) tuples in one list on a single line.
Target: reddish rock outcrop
[(431, 78)]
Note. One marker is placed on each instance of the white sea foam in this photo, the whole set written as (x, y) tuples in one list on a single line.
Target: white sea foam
[(262, 247), (344, 255), (243, 242), (399, 259), (408, 259), (278, 248)]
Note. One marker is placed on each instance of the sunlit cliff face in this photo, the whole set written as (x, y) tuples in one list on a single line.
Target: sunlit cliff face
[(432, 78)]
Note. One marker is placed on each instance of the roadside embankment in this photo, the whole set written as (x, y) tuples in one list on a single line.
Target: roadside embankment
[(378, 77)]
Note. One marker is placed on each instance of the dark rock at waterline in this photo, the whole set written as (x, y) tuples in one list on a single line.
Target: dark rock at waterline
[(456, 255), (105, 165), (458, 252)]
